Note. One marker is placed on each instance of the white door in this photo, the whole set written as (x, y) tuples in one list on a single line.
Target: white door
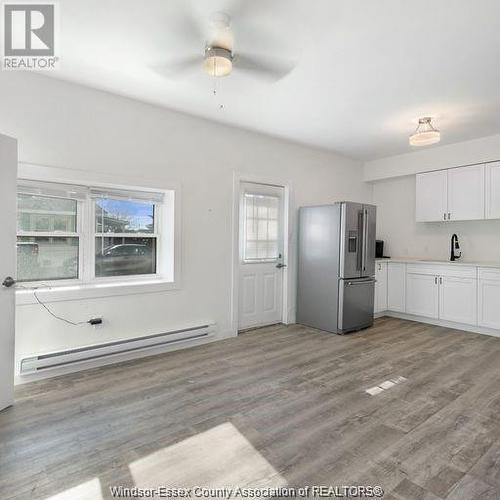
[(422, 295), (380, 287), (396, 286), (466, 193), (8, 174), (431, 196), (458, 299), (493, 190), (261, 260)]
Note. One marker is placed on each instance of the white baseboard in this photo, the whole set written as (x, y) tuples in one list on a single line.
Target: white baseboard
[(448, 324)]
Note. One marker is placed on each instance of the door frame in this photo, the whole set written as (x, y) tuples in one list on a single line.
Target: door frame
[(238, 179)]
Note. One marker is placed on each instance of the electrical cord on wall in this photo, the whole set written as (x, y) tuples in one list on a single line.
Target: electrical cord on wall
[(92, 321), (55, 315)]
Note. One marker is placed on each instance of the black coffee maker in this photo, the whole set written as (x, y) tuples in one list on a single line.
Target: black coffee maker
[(379, 250)]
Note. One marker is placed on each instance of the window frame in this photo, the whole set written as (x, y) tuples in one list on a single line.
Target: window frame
[(260, 260), (166, 272), (266, 191)]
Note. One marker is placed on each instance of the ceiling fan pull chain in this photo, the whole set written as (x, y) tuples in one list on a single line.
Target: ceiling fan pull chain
[(216, 83)]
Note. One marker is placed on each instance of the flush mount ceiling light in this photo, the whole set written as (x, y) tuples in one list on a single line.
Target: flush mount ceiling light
[(218, 61), (425, 134)]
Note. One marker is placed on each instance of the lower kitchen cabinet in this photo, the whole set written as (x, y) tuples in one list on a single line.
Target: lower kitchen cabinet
[(455, 293), (489, 299), (458, 299), (422, 295), (380, 287), (396, 287)]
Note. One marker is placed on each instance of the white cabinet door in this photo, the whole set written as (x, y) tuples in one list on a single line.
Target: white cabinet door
[(489, 303), (492, 190), (466, 193), (432, 196), (457, 299), (380, 287), (396, 277), (422, 295)]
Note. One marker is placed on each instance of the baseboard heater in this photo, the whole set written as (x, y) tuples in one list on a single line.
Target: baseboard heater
[(59, 359)]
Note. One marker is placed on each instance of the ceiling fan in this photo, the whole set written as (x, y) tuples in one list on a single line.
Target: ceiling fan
[(219, 58)]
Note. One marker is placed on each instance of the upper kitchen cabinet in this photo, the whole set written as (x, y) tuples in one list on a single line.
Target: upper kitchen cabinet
[(466, 193), (493, 190), (453, 194), (432, 196)]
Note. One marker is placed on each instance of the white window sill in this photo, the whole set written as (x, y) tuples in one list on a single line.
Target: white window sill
[(91, 291)]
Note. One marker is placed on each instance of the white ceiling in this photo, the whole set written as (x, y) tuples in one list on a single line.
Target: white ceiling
[(366, 69)]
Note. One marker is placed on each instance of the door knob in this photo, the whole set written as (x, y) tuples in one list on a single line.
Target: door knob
[(279, 265), (8, 282)]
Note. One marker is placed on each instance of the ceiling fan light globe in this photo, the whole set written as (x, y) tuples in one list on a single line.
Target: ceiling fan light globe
[(218, 62)]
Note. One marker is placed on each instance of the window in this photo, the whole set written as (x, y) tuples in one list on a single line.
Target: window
[(261, 227), (90, 234), (126, 238), (48, 241)]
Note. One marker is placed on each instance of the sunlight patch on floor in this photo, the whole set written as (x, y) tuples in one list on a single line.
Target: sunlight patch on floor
[(90, 490), (387, 384), (219, 457)]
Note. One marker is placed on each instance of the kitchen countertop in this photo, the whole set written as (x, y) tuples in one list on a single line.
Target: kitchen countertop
[(413, 260)]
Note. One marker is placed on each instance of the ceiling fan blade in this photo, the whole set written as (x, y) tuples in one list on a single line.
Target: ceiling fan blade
[(183, 29), (179, 68), (242, 9), (266, 68)]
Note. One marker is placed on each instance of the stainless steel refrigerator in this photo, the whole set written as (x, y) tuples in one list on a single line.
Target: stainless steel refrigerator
[(336, 272)]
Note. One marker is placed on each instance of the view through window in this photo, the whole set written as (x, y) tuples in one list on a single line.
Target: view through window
[(126, 239), (48, 241)]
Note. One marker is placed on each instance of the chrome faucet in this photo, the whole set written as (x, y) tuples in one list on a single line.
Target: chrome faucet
[(455, 248)]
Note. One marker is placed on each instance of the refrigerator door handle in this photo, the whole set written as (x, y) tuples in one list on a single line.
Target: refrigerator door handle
[(361, 282), (365, 238), (361, 241)]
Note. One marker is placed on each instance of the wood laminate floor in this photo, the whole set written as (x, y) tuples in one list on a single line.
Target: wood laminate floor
[(276, 406)]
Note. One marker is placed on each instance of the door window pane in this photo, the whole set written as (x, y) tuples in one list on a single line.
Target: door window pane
[(122, 256), (45, 214), (123, 216), (46, 258), (261, 227)]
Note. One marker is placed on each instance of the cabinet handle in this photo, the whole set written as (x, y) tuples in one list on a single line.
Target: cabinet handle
[(435, 280), (449, 216), (444, 216), (440, 280)]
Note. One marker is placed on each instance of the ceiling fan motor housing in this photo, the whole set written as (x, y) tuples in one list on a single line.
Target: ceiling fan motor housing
[(218, 61)]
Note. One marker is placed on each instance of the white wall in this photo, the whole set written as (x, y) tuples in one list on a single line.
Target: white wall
[(479, 150), (64, 125), (395, 199)]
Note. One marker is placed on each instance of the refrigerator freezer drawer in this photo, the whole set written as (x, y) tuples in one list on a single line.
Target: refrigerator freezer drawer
[(356, 299)]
